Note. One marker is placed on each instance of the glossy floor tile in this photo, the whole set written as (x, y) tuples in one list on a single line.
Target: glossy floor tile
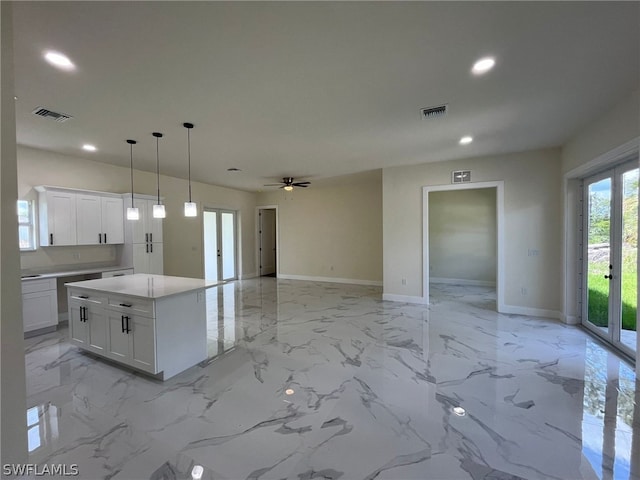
[(317, 380)]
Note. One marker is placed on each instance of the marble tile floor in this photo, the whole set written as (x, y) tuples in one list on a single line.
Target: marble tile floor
[(317, 380)]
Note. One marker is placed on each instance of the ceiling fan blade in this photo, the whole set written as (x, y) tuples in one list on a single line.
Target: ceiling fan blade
[(301, 184)]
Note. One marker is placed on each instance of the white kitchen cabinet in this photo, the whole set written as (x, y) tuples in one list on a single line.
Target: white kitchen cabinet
[(100, 219), (57, 217), (143, 238), (146, 229), (159, 326), (39, 303)]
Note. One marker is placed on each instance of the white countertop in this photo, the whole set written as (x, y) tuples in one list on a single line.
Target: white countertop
[(144, 285), (72, 273)]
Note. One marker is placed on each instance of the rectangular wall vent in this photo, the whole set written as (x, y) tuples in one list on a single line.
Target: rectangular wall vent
[(461, 176), (46, 113), (431, 112)]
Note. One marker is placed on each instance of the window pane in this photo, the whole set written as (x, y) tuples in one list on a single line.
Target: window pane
[(24, 215), (24, 232)]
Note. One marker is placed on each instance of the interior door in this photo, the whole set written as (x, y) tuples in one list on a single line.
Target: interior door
[(220, 249), (610, 255), (267, 234)]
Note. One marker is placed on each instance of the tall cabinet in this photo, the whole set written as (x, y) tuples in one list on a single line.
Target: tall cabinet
[(143, 247)]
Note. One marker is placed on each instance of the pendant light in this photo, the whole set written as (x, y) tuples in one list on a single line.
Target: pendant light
[(190, 208), (158, 209), (132, 212)]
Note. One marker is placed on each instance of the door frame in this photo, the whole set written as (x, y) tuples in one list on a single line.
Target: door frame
[(257, 226), (499, 186), (236, 237)]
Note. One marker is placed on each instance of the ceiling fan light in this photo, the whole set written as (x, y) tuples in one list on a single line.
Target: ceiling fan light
[(288, 188), (159, 211), (190, 209), (133, 213)]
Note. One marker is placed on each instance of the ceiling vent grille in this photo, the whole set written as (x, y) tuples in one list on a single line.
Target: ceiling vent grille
[(431, 112), (45, 113), (461, 176)]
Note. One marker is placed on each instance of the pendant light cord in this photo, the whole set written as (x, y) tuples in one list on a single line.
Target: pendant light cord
[(158, 165), (189, 156), (131, 155)]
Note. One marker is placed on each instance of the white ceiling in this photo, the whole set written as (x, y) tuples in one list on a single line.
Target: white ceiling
[(317, 89)]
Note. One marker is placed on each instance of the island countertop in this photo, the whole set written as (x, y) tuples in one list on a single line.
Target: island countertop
[(144, 285)]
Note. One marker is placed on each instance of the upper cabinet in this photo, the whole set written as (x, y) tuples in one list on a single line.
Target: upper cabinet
[(147, 229), (76, 217), (57, 217)]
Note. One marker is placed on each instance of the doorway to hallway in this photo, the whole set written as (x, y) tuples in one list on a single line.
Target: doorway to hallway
[(220, 246), (267, 241)]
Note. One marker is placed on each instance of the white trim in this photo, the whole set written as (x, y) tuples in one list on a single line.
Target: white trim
[(462, 281), (391, 297), (500, 221), (247, 276), (257, 237), (309, 278), (606, 159), (570, 319), (63, 317), (531, 312)]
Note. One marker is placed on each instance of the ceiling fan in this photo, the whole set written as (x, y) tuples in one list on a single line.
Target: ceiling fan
[(288, 183)]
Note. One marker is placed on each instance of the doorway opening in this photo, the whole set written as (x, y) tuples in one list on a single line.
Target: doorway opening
[(220, 246), (268, 241), (463, 228), (610, 255)]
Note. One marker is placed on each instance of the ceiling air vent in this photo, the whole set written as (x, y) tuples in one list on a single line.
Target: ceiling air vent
[(58, 117), (431, 112), (461, 176)]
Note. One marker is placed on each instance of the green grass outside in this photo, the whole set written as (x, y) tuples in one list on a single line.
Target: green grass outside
[(599, 291)]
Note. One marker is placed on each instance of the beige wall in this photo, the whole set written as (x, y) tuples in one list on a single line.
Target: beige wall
[(182, 236), (332, 229), (532, 221), (462, 235), (607, 132)]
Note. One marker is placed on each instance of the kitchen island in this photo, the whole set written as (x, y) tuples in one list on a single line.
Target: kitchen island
[(153, 323)]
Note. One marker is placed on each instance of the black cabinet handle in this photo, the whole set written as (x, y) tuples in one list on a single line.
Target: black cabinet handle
[(151, 237), (146, 237), (83, 296), (105, 237), (82, 314), (128, 305), (147, 245), (51, 239), (128, 329), (122, 322), (99, 238), (151, 245)]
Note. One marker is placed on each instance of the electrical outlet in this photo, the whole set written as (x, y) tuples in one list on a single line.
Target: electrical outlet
[(533, 253), (76, 255), (404, 281), (523, 290), (331, 268)]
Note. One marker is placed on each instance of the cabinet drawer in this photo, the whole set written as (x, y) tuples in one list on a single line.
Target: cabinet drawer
[(85, 297), (131, 305), (38, 285), (117, 273)]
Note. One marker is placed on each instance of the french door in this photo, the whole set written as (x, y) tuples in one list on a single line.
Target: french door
[(220, 250), (610, 239)]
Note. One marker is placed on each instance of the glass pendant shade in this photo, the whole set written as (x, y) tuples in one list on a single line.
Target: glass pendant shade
[(159, 211), (133, 213), (190, 209)]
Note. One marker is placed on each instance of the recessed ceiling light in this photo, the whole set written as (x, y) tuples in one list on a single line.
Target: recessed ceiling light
[(483, 65), (59, 60), (459, 411), (89, 148), (466, 140), (289, 391)]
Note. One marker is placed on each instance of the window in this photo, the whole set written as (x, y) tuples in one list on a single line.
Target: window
[(26, 227)]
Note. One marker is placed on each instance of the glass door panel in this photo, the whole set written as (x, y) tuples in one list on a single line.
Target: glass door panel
[(210, 220), (598, 253), (629, 260), (219, 245), (228, 231)]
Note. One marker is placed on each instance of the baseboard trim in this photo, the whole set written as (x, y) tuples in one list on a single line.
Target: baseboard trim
[(352, 281), (570, 319), (247, 276), (530, 311), (63, 317), (391, 297), (462, 281)]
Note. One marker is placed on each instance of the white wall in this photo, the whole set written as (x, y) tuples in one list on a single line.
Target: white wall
[(183, 237), (462, 235), (332, 229), (532, 222), (13, 429)]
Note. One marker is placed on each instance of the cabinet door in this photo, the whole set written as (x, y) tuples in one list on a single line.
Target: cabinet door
[(77, 326), (61, 218), (39, 310), (141, 258), (156, 259), (89, 219), (141, 226), (155, 224), (118, 339), (112, 220), (143, 343), (97, 328)]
